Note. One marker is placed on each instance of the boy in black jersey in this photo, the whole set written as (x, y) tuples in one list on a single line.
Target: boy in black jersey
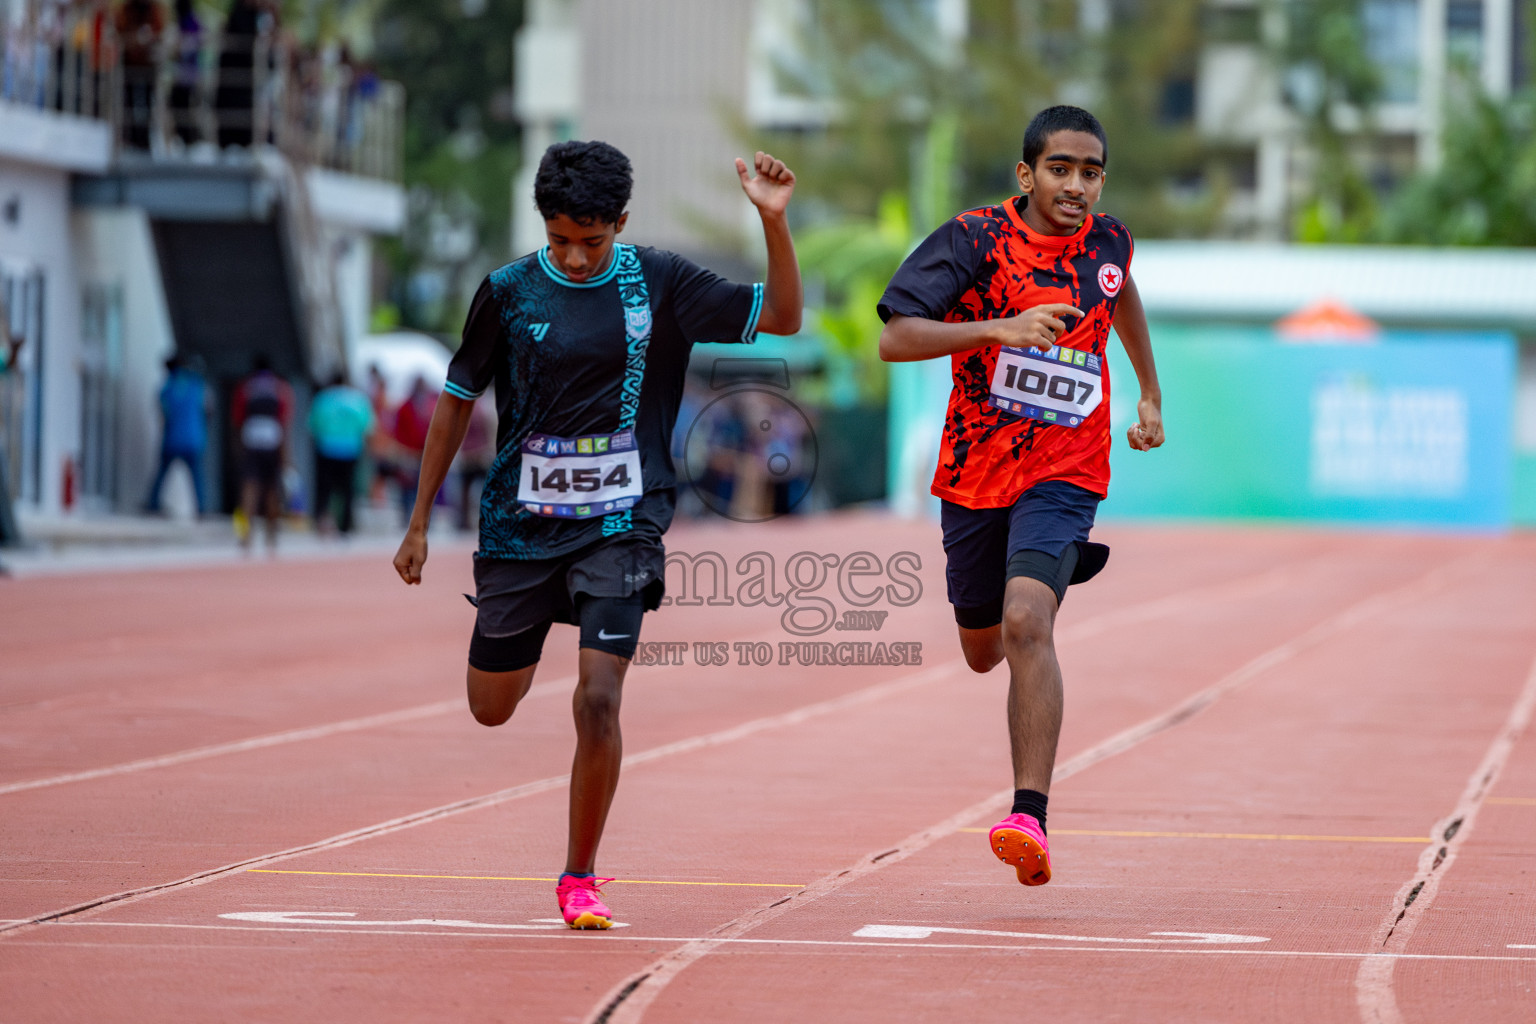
[(586, 342)]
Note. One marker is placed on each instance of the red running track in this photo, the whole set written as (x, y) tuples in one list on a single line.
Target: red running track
[(252, 793)]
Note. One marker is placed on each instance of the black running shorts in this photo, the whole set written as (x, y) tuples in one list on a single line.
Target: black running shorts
[(516, 598), (985, 547)]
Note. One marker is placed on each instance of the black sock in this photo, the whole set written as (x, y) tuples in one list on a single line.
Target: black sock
[(1027, 801)]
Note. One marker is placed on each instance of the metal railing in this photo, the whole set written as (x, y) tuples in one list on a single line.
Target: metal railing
[(199, 96), (63, 64)]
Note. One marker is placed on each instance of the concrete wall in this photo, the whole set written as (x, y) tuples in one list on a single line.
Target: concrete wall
[(34, 231), (115, 249)]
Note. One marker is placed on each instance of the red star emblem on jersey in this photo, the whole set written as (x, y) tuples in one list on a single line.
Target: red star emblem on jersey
[(1111, 278)]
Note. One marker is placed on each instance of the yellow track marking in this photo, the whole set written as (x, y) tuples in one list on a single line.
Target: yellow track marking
[(1228, 835), (508, 878), (1518, 801)]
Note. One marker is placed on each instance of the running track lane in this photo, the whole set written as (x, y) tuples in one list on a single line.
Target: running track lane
[(751, 805), (629, 1000), (162, 695)]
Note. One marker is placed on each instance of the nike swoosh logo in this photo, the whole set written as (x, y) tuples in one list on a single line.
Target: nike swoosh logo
[(601, 635)]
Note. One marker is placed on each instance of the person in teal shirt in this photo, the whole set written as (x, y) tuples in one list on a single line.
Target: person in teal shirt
[(340, 420)]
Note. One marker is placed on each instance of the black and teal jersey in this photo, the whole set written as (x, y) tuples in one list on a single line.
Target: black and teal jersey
[(573, 360)]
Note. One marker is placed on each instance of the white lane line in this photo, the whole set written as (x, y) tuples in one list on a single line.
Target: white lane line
[(567, 935), (802, 714), (916, 931), (349, 919), (277, 739), (1171, 605), (627, 1001), (442, 707), (1374, 981)]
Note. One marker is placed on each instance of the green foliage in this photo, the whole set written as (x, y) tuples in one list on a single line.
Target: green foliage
[(461, 148), (920, 128), (1484, 192), (854, 261), (886, 78), (1330, 74)]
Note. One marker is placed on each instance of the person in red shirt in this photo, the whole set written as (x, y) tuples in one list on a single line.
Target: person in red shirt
[(411, 422), (1021, 297), (262, 411)]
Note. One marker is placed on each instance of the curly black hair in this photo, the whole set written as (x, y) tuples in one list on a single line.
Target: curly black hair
[(586, 181), (1060, 119)]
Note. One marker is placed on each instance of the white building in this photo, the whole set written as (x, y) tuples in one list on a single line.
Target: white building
[(113, 257), (60, 355)]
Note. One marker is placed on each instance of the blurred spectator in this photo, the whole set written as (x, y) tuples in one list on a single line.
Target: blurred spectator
[(262, 411), (184, 401), (187, 73), (785, 454), (340, 422), (474, 462), (381, 443), (235, 100), (91, 56), (722, 434), (362, 84), (140, 25), (411, 422)]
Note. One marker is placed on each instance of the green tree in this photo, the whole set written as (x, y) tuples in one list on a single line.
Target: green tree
[(885, 77), (461, 148), (920, 127), (1330, 78), (1484, 192)]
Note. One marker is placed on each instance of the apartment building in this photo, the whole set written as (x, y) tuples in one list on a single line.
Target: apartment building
[(1252, 102)]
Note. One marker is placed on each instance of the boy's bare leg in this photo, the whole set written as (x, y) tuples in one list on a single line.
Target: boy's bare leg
[(983, 648), (493, 696), (1034, 681), (599, 751), (250, 506), (273, 512)]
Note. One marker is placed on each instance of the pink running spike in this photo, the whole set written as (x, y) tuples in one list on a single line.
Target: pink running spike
[(1019, 841), (579, 902)]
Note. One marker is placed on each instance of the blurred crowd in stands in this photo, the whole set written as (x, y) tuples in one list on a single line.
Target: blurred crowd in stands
[(749, 455), (172, 81), (362, 446)]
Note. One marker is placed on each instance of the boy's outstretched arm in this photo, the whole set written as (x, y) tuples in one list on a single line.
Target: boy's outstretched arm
[(783, 299), (1131, 325), (909, 338), (450, 422)]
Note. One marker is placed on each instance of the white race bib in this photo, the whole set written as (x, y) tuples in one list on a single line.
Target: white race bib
[(262, 433), (578, 477), (1060, 385)]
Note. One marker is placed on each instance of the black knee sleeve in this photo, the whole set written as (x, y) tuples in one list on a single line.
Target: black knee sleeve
[(507, 653), (1078, 562), (611, 624), (984, 617)]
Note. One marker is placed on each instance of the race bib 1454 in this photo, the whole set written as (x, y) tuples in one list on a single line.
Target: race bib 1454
[(1059, 385), (577, 477)]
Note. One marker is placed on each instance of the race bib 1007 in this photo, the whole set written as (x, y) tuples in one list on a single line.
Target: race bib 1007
[(1059, 385), (577, 477)]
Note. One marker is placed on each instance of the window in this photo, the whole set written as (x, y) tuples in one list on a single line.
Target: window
[(1392, 44)]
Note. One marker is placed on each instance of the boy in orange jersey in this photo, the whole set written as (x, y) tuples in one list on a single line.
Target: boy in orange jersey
[(1021, 297)]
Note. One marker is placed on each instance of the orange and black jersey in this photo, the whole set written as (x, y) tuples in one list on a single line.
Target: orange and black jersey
[(986, 264)]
